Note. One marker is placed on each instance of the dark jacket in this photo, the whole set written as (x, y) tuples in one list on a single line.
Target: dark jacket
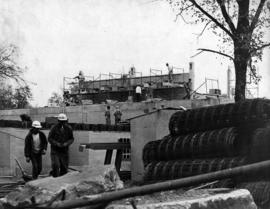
[(59, 140), (28, 143)]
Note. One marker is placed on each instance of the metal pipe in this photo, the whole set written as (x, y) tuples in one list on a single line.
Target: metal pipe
[(163, 186)]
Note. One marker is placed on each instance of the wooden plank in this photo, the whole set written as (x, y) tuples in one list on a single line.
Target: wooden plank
[(105, 146)]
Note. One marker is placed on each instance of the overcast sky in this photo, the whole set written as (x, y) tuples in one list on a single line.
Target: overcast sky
[(58, 38)]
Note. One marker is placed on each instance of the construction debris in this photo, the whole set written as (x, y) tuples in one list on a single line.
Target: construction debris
[(9, 186), (200, 199), (260, 191), (107, 197), (44, 192)]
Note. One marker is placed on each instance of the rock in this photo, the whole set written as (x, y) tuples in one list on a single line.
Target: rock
[(70, 186), (193, 199)]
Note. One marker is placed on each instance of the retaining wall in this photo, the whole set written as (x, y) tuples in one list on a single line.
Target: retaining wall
[(94, 114), (12, 146)]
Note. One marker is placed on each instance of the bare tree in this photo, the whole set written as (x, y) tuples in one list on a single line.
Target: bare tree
[(241, 26)]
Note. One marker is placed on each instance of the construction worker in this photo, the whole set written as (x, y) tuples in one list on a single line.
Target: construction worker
[(60, 138), (108, 115), (117, 115), (35, 146), (170, 72), (81, 80), (187, 86), (138, 93)]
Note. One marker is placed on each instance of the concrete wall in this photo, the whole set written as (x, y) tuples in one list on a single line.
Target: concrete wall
[(94, 114), (12, 145), (91, 113), (5, 168), (144, 129)]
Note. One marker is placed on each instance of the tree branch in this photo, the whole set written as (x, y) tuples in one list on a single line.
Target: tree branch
[(212, 18), (195, 55), (226, 15), (213, 51), (200, 34), (260, 47), (180, 14), (257, 15)]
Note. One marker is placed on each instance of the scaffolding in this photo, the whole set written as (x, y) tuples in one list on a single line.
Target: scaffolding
[(182, 71), (106, 85), (212, 84), (252, 89)]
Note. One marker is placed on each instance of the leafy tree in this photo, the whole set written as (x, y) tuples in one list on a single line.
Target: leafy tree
[(8, 67), (55, 99), (22, 96), (18, 98), (6, 98), (241, 26)]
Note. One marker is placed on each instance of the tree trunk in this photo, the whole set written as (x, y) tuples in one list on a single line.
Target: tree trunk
[(240, 80), (241, 56), (241, 49)]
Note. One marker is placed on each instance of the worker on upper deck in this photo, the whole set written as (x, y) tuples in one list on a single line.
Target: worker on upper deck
[(81, 80), (138, 93), (170, 72)]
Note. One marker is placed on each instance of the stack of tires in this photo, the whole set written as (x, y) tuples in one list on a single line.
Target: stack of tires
[(210, 139)]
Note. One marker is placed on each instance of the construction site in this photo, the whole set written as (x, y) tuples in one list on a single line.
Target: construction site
[(173, 147)]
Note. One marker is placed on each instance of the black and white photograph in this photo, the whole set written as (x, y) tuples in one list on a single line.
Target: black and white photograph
[(134, 104)]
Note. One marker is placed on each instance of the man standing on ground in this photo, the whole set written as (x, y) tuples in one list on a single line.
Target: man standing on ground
[(108, 116), (60, 138), (117, 115), (35, 146)]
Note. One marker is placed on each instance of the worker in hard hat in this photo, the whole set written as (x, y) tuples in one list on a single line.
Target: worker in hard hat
[(35, 147), (108, 115), (60, 138), (117, 115)]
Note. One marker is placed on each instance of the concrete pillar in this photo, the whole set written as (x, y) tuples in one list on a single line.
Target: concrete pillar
[(150, 127), (192, 74)]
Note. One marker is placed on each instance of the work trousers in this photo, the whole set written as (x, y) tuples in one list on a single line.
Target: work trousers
[(60, 162), (117, 121), (138, 97), (36, 160), (108, 121)]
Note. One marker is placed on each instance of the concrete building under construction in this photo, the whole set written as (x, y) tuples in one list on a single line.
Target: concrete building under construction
[(122, 87)]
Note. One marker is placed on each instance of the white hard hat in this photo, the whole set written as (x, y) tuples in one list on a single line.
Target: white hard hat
[(62, 117), (36, 124)]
